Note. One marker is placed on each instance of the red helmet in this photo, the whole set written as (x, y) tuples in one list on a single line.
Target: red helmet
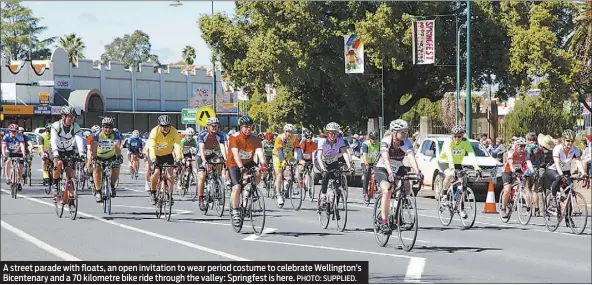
[(268, 135), (589, 137), (13, 127)]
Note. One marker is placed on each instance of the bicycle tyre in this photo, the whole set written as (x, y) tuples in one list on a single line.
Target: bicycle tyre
[(296, 198), (381, 238), (509, 207), (342, 221), (583, 206), (523, 216), (206, 198), (445, 208), (408, 203), (107, 198), (323, 212), (72, 201), (256, 198), (168, 205), (13, 186), (159, 199), (219, 198), (470, 199), (548, 216)]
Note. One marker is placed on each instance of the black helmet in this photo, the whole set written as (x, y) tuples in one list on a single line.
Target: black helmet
[(373, 135), (47, 126), (245, 120)]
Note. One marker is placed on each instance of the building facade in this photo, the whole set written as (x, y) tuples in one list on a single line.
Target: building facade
[(34, 91)]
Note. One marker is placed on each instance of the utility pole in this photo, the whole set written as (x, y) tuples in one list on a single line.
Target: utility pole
[(468, 107), (213, 68)]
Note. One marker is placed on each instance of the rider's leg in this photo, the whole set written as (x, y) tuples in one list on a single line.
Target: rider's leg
[(114, 177), (277, 168), (507, 179), (170, 178), (448, 178), (366, 180), (200, 185), (97, 180), (7, 168)]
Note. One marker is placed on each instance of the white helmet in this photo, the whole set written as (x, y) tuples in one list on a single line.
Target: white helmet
[(190, 131), (398, 125), (95, 128), (520, 141), (289, 128), (334, 127), (135, 134), (86, 134), (231, 132)]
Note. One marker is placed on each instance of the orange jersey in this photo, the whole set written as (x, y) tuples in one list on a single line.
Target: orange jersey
[(246, 148), (89, 139), (307, 149)]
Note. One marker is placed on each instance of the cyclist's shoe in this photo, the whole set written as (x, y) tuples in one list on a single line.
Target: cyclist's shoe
[(20, 187), (179, 186), (236, 218), (147, 186), (463, 214), (385, 229), (113, 191), (98, 197), (323, 198), (367, 198), (202, 205), (280, 200), (505, 214), (337, 216)]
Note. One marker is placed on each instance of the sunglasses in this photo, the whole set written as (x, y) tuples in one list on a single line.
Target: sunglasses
[(107, 127), (247, 126), (165, 126), (458, 137), (568, 141)]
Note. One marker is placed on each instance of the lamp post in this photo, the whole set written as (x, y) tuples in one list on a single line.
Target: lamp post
[(468, 108)]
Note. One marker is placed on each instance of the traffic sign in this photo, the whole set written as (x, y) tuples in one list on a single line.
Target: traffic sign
[(203, 114), (188, 115)]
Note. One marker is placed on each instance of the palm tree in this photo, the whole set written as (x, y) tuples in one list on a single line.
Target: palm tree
[(189, 55), (580, 40), (74, 45)]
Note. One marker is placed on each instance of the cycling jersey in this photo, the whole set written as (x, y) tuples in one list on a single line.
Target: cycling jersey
[(396, 153), (372, 151), (565, 159), (332, 152), (454, 153), (46, 141), (65, 139), (13, 144), (518, 160), (307, 149), (106, 144), (537, 155), (287, 145), (162, 144), (186, 145), (267, 148), (211, 144), (134, 144), (246, 146)]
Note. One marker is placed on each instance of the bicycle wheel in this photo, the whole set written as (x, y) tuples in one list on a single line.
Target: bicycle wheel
[(13, 186), (323, 212), (445, 212), (159, 200), (578, 213), (469, 205), (241, 208), (509, 207), (219, 197), (524, 209), (107, 196), (296, 194), (168, 205), (341, 208), (344, 186), (381, 238), (551, 215), (407, 222), (310, 185), (72, 201), (59, 207), (29, 175), (257, 210)]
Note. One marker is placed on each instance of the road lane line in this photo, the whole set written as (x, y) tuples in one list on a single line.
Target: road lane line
[(149, 233), (59, 253), (255, 236), (415, 270)]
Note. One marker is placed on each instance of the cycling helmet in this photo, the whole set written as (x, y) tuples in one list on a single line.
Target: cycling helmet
[(21, 129), (398, 125), (458, 130), (164, 120), (307, 134), (68, 111), (47, 126), (86, 133), (107, 121), (135, 134), (13, 127), (289, 128), (213, 121), (569, 134), (245, 120), (231, 132), (520, 141), (115, 130), (268, 136), (190, 131), (373, 135), (332, 127), (95, 128)]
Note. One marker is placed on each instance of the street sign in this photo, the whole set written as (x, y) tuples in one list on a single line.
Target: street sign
[(46, 83), (188, 116), (44, 98), (203, 114)]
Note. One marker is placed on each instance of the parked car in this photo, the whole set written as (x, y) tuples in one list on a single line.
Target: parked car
[(35, 140), (429, 152)]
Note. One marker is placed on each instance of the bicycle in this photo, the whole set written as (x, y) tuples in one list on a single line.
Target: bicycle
[(449, 203), (132, 170), (164, 197), (569, 205), (288, 190), (27, 171), (81, 175), (14, 179), (517, 201), (106, 183), (335, 194), (68, 195), (307, 177), (214, 191), (398, 220), (269, 179), (369, 193), (249, 197), (49, 169), (188, 176)]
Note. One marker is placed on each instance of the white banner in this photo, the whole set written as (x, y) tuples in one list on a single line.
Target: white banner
[(423, 39), (240, 94), (270, 92), (8, 91), (62, 83), (200, 95), (353, 54)]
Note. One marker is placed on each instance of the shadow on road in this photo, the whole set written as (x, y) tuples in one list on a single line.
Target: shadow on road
[(299, 234), (440, 229), (204, 219), (368, 230), (452, 249)]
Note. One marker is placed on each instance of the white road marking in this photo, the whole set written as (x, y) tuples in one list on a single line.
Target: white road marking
[(265, 231), (149, 233), (59, 253), (415, 270)]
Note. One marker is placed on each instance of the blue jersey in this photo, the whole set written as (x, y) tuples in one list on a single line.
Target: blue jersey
[(134, 144), (13, 143)]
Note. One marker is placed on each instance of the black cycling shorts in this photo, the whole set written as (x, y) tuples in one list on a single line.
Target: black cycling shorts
[(235, 174)]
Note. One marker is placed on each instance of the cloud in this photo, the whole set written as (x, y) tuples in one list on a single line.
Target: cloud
[(87, 17)]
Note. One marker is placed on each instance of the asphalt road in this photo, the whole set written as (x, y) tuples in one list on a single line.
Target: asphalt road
[(489, 252)]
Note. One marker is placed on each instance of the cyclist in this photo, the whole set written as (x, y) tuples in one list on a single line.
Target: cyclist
[(370, 152), (14, 144), (212, 144), (65, 137), (516, 159), (393, 149), (28, 145), (163, 141), (564, 155), (94, 130), (243, 147), (45, 151), (332, 152), (532, 181), (284, 147), (267, 145), (106, 147), (308, 146), (189, 147), (453, 154), (134, 148)]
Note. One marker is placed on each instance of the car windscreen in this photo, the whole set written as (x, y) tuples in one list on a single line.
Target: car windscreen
[(477, 148)]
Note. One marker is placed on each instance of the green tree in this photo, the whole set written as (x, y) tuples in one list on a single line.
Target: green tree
[(131, 50), (19, 36), (530, 111), (423, 107), (74, 45), (189, 55)]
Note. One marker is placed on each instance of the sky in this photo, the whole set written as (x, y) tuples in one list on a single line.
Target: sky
[(99, 22)]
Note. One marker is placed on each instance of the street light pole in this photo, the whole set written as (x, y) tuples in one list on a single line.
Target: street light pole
[(468, 108), (382, 96), (457, 69), (213, 68)]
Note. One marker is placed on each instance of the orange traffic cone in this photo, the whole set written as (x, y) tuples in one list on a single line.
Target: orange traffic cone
[(490, 206)]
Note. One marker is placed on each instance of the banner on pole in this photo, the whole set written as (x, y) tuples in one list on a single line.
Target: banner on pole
[(270, 92), (354, 54), (423, 42)]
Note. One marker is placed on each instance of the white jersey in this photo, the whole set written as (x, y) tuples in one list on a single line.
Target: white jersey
[(565, 159), (66, 141)]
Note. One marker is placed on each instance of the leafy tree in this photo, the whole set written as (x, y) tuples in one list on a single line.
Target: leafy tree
[(19, 36), (131, 50), (74, 45), (423, 107), (530, 111), (580, 46), (189, 55)]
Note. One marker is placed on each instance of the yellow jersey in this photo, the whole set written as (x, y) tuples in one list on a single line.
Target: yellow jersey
[(287, 145), (161, 145)]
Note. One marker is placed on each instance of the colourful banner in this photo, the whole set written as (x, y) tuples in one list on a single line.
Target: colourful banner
[(423, 36), (354, 54)]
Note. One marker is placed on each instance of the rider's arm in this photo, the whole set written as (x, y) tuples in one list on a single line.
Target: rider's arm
[(4, 149), (409, 151), (22, 144), (201, 143), (346, 155), (222, 145), (279, 147), (79, 141), (94, 144), (259, 154), (117, 143), (53, 141), (365, 154), (384, 155), (471, 153), (556, 160), (151, 142)]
